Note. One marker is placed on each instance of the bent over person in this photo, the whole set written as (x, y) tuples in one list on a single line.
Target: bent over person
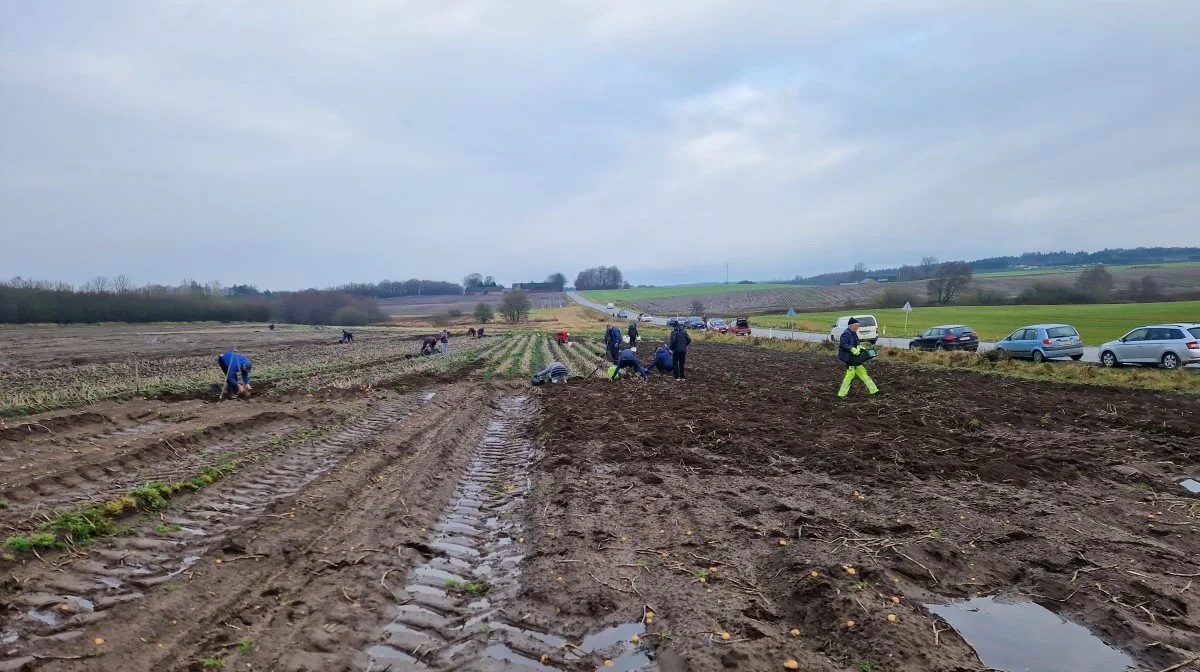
[(851, 354), (556, 372), (233, 363)]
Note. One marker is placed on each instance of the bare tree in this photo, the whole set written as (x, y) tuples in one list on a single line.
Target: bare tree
[(121, 284), (1096, 282), (98, 285), (698, 308), (951, 279), (484, 313), (928, 266), (515, 306), (473, 280)]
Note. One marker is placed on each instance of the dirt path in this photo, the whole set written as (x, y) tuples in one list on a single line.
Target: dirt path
[(679, 498)]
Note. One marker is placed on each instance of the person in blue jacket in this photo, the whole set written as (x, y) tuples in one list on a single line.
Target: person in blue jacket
[(612, 341), (626, 360), (233, 363), (849, 349), (663, 363)]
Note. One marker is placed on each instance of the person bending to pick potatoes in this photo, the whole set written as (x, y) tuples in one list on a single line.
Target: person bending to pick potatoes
[(662, 360), (850, 352), (233, 363), (556, 372), (626, 360)]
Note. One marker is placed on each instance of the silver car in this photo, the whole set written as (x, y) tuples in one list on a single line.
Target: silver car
[(1167, 345)]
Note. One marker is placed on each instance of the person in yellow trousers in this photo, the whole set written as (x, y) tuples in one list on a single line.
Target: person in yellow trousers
[(850, 352)]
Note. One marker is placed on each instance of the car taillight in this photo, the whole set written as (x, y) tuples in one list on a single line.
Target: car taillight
[(951, 337), (1193, 345), (1045, 341)]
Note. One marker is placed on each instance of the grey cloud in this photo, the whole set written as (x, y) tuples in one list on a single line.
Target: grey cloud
[(329, 142)]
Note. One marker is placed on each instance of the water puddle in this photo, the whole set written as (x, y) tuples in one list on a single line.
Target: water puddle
[(1026, 637), (1191, 485)]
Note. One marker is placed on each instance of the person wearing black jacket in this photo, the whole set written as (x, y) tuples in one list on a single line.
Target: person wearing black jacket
[(679, 344), (633, 334)]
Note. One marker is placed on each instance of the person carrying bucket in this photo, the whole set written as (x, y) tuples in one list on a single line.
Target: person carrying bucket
[(852, 354)]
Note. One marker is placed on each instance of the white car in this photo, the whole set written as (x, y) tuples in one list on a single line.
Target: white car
[(645, 317), (1167, 345), (868, 328)]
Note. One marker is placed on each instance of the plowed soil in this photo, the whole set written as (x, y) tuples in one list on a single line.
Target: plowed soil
[(459, 521), (949, 485)]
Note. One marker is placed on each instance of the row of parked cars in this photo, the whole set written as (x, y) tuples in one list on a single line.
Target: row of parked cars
[(1167, 345), (738, 327)]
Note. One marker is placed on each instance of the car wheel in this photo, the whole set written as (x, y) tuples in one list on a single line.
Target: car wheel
[(938, 347), (1108, 359), (1077, 357), (1170, 361), (1038, 356)]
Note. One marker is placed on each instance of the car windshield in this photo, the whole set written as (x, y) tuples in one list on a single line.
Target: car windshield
[(865, 321), (1061, 332), (718, 323)]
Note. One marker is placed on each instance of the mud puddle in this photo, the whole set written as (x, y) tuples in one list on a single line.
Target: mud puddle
[(123, 569), (451, 614), (1023, 636)]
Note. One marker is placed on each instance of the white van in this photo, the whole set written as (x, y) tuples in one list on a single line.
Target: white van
[(610, 305), (868, 328)]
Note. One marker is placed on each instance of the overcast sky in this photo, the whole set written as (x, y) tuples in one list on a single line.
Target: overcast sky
[(293, 143)]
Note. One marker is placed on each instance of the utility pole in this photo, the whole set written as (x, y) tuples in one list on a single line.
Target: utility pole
[(727, 272)]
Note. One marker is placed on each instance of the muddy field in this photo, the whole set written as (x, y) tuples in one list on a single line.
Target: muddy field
[(457, 519)]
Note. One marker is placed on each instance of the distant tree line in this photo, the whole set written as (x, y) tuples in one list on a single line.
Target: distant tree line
[(600, 277), (105, 299), (389, 289), (929, 265), (477, 280)]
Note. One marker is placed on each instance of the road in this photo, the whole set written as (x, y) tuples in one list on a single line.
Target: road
[(1090, 354)]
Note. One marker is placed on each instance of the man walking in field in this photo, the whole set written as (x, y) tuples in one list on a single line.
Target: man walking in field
[(679, 346), (633, 334), (612, 341), (233, 363), (851, 353), (445, 341)]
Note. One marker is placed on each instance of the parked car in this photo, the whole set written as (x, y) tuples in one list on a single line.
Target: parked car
[(623, 314), (718, 326), (645, 317), (868, 328), (946, 337), (609, 305), (695, 323), (1040, 342), (740, 327), (672, 321), (1167, 345)]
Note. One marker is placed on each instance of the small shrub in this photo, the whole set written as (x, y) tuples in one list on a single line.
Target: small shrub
[(212, 663), (43, 540), (19, 544), (244, 645)]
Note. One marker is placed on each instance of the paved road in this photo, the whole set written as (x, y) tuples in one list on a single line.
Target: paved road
[(1090, 354)]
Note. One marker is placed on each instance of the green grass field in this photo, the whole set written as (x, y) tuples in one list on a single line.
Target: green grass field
[(1076, 269), (1097, 323), (643, 293)]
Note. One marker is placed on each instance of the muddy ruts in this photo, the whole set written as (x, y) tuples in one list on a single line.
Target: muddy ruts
[(451, 614), (53, 608)]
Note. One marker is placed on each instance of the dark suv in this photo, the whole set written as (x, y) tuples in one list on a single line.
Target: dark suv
[(946, 337), (695, 323)]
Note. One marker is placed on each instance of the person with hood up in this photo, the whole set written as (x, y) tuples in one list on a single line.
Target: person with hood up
[(626, 360), (850, 353), (680, 340), (234, 363), (633, 334), (663, 362)]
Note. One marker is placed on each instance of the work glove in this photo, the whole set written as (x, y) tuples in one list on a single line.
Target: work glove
[(856, 350)]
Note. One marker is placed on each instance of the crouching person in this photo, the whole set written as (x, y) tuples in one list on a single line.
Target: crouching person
[(663, 362), (232, 364), (626, 360), (555, 372)]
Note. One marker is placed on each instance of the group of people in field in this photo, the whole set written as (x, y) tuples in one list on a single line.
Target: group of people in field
[(671, 357)]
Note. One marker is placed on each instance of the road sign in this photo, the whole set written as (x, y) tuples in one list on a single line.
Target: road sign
[(907, 307), (792, 312), (791, 328)]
